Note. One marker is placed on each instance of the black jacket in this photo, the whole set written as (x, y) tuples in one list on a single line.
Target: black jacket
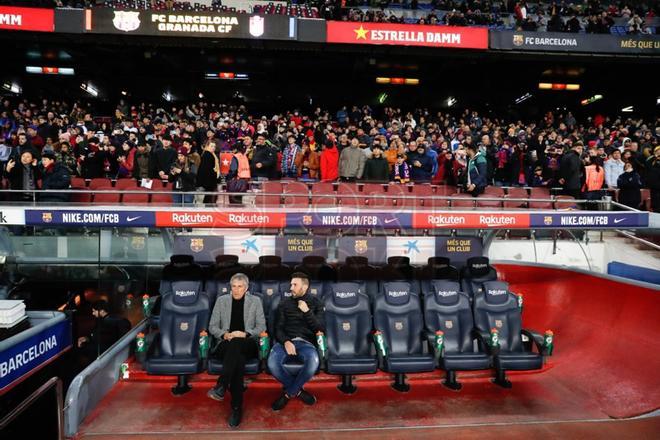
[(569, 170), (422, 173), (629, 185), (206, 175), (268, 159), (162, 160), (15, 177), (293, 323), (106, 332), (55, 178), (376, 170)]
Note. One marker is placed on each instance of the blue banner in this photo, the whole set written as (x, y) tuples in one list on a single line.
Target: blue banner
[(590, 220), (39, 217), (34, 352), (356, 219)]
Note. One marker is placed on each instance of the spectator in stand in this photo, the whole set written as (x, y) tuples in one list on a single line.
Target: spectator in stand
[(477, 170), (183, 174), (573, 25), (64, 155), (263, 160), (208, 174), (125, 160), (307, 163), (613, 169), (570, 171), (351, 162), (629, 184), (23, 175), (421, 167), (240, 165), (653, 178), (163, 158), (289, 157), (376, 169), (329, 162), (594, 178), (142, 161), (401, 172), (91, 158), (53, 176), (24, 144), (537, 179)]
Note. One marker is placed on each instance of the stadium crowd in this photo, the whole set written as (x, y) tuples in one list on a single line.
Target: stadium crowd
[(203, 144)]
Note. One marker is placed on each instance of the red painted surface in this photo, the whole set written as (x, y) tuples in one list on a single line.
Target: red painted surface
[(605, 365)]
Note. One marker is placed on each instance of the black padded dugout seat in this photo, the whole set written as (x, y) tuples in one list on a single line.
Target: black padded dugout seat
[(474, 274)]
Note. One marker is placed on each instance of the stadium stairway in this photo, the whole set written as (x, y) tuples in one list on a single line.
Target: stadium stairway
[(604, 372)]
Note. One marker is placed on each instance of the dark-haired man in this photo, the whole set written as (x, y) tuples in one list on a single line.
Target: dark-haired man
[(299, 318)]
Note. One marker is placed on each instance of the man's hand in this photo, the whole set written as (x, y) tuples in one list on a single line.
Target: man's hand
[(290, 348), (562, 181), (82, 340), (470, 187), (10, 165), (238, 334), (302, 305), (259, 165), (227, 336)]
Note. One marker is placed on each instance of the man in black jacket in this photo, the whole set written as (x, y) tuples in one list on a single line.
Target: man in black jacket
[(107, 330), (299, 318), (23, 173), (264, 159), (569, 171), (54, 176), (376, 169)]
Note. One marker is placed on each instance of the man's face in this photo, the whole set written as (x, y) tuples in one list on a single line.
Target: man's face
[(298, 288), (238, 289), (616, 155), (22, 139), (26, 158), (45, 161)]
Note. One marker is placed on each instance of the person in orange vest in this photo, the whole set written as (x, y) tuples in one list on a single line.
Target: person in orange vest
[(594, 177), (240, 165)]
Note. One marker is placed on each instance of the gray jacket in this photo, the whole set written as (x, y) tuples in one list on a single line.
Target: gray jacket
[(351, 162), (253, 314)]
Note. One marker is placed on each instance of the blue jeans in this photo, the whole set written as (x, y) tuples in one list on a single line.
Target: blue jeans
[(306, 352), (187, 199)]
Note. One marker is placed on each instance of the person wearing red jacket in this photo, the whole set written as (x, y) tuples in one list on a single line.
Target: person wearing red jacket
[(329, 162)]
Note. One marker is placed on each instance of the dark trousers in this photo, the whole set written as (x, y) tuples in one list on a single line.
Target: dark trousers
[(234, 354)]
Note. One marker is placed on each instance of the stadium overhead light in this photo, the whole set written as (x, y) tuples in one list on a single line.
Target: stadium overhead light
[(12, 87), (523, 98), (382, 98), (89, 88), (41, 70), (397, 81), (124, 92), (167, 96), (451, 101), (227, 75), (591, 100), (628, 109), (200, 95), (559, 86)]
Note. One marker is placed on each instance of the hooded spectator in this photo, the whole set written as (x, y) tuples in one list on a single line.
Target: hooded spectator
[(629, 184), (421, 166), (54, 176)]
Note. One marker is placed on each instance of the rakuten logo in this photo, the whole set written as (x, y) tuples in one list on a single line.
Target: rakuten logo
[(446, 293), (345, 295), (185, 293), (479, 266), (496, 220), (188, 219), (397, 294), (248, 218), (441, 220), (497, 292)]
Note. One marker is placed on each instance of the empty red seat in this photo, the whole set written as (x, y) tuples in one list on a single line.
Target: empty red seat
[(349, 195), (103, 195), (160, 197), (78, 182), (141, 198), (267, 200), (565, 202), (543, 196), (100, 182), (126, 183), (462, 201), (516, 193), (494, 203)]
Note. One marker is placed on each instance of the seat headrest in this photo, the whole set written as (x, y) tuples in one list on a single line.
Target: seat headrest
[(398, 261), (397, 293), (181, 260), (496, 292), (313, 260), (478, 266), (185, 292), (357, 261), (438, 262), (270, 260), (345, 294), (446, 292), (223, 261)]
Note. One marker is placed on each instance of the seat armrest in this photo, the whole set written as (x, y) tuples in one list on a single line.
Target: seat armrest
[(483, 338), (536, 338)]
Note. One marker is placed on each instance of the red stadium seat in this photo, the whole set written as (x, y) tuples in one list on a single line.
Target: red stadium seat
[(266, 200), (373, 191), (434, 202), (462, 201), (100, 183), (159, 197), (104, 196), (402, 197), (516, 193), (351, 193), (271, 187), (126, 183), (445, 190), (78, 182), (565, 202), (540, 193), (136, 199), (491, 192), (323, 194)]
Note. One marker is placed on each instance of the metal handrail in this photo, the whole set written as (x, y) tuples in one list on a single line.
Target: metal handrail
[(638, 239), (28, 401)]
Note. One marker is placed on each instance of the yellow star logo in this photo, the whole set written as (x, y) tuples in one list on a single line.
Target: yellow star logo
[(360, 33)]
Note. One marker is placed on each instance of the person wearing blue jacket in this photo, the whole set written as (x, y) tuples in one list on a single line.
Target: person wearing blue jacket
[(477, 171), (421, 165)]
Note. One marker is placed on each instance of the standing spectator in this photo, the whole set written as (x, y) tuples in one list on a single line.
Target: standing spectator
[(537, 179), (240, 165), (421, 168), (263, 159), (477, 170), (23, 175), (351, 162), (401, 172), (573, 25), (329, 162), (64, 155), (289, 157), (163, 158), (629, 184), (376, 169), (653, 178), (594, 178), (307, 163), (208, 173), (613, 169), (142, 161), (183, 173), (570, 171), (53, 176)]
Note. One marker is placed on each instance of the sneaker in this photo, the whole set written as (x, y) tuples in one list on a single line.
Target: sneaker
[(235, 417), (306, 397), (280, 402), (217, 393)]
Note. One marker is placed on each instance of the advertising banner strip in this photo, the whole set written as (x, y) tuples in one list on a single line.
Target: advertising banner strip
[(590, 220), (407, 35), (12, 216), (190, 24), (565, 42), (243, 219), (41, 217), (449, 220), (32, 353), (345, 220), (27, 19)]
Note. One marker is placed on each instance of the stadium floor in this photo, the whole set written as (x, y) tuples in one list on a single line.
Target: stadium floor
[(603, 372)]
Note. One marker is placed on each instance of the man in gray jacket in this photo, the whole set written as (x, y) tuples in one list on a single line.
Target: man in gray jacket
[(351, 162), (236, 322)]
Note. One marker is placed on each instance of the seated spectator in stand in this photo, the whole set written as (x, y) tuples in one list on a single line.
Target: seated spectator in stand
[(307, 163), (54, 175), (299, 318), (184, 175), (236, 323), (23, 175), (376, 169), (108, 329), (629, 184), (401, 172), (477, 171), (351, 162), (613, 169), (329, 163)]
